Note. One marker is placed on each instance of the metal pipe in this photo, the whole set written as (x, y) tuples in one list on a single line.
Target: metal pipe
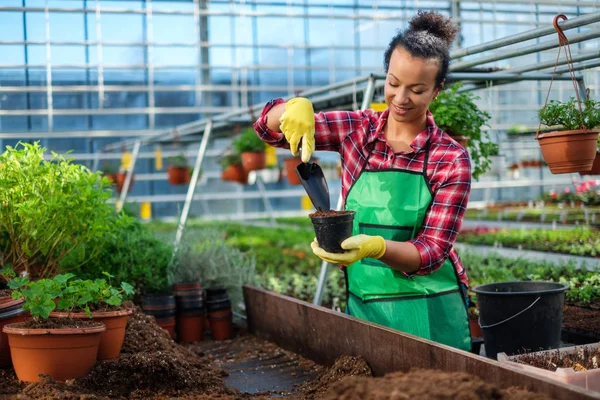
[(580, 66), (550, 64), (501, 55), (521, 37), (127, 183), (192, 187), (369, 91), (262, 190)]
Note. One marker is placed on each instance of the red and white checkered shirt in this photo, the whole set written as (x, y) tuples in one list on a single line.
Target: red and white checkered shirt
[(358, 136)]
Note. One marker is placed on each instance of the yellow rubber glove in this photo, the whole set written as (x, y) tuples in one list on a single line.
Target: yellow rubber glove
[(357, 247), (298, 123)]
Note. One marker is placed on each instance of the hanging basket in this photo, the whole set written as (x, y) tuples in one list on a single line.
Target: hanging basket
[(570, 150)]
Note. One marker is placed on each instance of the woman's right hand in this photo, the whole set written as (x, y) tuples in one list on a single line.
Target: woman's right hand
[(298, 122)]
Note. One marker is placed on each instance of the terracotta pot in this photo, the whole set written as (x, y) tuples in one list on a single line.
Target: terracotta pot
[(569, 151), (235, 173), (11, 312), (61, 353), (190, 326), (290, 170), (112, 339), (221, 324), (475, 328), (254, 161), (595, 167), (168, 324), (179, 175), (462, 140), (120, 181)]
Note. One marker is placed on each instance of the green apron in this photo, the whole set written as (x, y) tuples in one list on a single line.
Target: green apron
[(392, 203)]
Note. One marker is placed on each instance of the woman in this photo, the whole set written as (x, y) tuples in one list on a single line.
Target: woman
[(408, 182)]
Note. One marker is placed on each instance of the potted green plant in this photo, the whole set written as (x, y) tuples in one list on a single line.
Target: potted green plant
[(233, 170), (63, 348), (98, 300), (178, 170), (110, 172), (457, 114), (572, 144), (51, 209), (252, 150)]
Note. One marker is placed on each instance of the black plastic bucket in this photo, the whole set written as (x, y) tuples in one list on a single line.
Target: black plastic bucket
[(159, 306), (520, 316), (332, 230), (217, 299)]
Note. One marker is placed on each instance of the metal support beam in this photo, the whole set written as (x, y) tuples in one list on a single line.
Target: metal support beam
[(524, 36), (502, 55), (550, 64), (192, 187), (127, 183), (260, 184), (368, 97)]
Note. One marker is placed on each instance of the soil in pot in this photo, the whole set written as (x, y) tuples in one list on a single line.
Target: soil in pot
[(332, 228), (582, 320)]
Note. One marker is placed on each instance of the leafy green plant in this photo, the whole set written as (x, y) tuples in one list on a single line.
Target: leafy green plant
[(248, 141), (50, 209), (230, 159), (135, 255), (566, 116), (63, 293), (457, 114), (517, 129), (203, 255), (178, 161)]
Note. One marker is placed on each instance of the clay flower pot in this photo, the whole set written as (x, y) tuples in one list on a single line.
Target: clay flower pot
[(112, 339), (332, 228), (595, 167), (179, 175), (253, 161), (120, 181), (163, 309), (290, 169), (11, 312), (235, 173), (66, 353), (569, 151), (462, 140), (189, 297)]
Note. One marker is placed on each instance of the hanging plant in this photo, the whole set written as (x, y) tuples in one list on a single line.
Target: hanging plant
[(572, 146)]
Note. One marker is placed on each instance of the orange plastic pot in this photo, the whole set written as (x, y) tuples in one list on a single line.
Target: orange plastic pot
[(120, 181), (235, 173), (179, 175), (569, 151), (190, 326), (254, 161), (475, 328), (221, 324), (60, 353), (112, 339), (168, 324), (595, 167)]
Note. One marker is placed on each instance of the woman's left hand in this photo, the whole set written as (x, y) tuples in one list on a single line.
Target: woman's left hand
[(357, 247)]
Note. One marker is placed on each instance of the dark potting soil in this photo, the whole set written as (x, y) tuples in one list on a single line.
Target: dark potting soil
[(423, 384), (584, 320), (328, 213), (58, 323), (5, 293), (586, 358)]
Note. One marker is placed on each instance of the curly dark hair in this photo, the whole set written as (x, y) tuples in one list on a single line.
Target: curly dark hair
[(429, 35)]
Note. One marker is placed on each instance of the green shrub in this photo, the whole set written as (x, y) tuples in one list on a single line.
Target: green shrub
[(248, 141), (566, 116), (134, 255)]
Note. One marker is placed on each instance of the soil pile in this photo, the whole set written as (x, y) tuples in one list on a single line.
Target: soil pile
[(584, 320), (344, 367), (423, 384)]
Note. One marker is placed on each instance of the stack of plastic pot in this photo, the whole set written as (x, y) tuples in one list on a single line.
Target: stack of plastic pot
[(190, 311), (162, 308), (219, 313)]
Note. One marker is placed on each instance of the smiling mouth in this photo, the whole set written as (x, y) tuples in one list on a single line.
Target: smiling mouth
[(401, 109)]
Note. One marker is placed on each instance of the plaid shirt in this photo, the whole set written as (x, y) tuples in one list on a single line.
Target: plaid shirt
[(358, 136)]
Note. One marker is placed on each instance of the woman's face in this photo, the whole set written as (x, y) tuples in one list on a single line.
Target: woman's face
[(410, 86)]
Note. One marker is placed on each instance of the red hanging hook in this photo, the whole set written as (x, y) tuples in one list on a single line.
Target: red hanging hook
[(562, 38)]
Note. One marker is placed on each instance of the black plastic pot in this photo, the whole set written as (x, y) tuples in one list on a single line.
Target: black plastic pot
[(332, 230), (217, 299), (158, 305), (520, 316)]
